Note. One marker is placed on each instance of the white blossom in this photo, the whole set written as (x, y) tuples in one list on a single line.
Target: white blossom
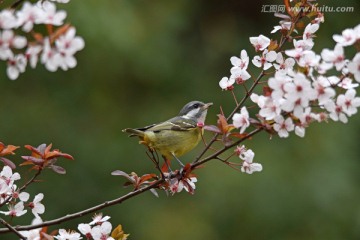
[(28, 16), (260, 43), (346, 83), (335, 57), (98, 218), (227, 83), (50, 15), (309, 31), (32, 54), (65, 235), (239, 75), (238, 71), (347, 37), (15, 210), (33, 234), (50, 57), (36, 206), (283, 127), (284, 65), (354, 67), (102, 232), (248, 166), (349, 102), (265, 60), (336, 111), (16, 65), (324, 90), (85, 229), (241, 62), (309, 59), (241, 120), (7, 19)]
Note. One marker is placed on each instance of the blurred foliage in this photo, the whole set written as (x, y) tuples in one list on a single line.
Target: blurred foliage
[(142, 61)]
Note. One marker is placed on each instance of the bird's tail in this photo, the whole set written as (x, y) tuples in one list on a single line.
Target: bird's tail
[(134, 132)]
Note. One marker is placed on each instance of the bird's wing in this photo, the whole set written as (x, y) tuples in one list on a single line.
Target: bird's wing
[(175, 124), (146, 127)]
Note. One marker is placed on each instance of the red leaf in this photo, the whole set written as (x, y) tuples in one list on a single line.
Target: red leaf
[(146, 177), (33, 150), (165, 166), (7, 150), (35, 160), (238, 135)]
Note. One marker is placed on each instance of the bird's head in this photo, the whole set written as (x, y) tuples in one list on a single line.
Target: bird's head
[(195, 110)]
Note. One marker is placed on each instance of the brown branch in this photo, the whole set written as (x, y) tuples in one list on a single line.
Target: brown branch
[(16, 4), (11, 228), (87, 211), (126, 196), (216, 154)]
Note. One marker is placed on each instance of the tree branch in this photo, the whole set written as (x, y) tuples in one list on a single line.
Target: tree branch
[(87, 211), (16, 4), (216, 154), (11, 229)]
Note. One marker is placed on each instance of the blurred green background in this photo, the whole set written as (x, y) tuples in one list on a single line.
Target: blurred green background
[(143, 60)]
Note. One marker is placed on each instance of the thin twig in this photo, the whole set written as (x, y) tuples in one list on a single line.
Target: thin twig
[(11, 228)]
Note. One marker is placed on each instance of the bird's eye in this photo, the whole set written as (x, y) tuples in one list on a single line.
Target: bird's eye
[(196, 105)]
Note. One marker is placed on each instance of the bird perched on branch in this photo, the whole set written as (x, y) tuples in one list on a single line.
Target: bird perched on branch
[(176, 136)]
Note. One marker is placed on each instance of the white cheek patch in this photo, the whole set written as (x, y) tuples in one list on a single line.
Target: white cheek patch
[(201, 119), (192, 114)]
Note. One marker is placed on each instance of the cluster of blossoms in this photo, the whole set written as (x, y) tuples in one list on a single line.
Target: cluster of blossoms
[(98, 229), (305, 87), (18, 204), (17, 200), (22, 45), (177, 185), (247, 156)]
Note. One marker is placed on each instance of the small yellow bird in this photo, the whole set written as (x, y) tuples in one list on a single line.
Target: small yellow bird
[(176, 136)]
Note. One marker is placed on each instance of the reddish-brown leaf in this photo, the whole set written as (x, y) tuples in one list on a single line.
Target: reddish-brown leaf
[(35, 151), (60, 31), (7, 150), (222, 123), (35, 160), (238, 135), (146, 177)]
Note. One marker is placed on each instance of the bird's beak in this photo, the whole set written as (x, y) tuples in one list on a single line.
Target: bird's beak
[(207, 105)]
